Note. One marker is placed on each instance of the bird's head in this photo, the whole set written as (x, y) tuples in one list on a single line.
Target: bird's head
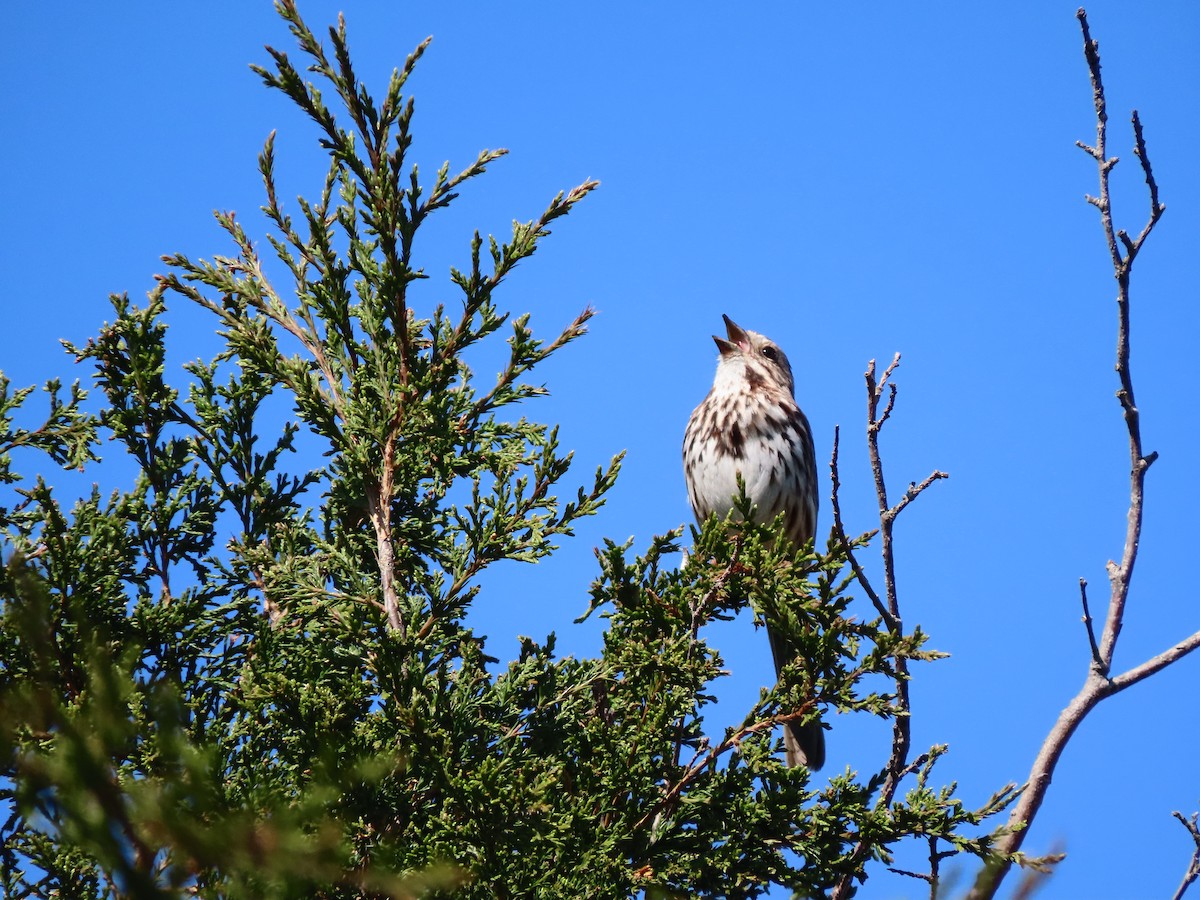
[(750, 360)]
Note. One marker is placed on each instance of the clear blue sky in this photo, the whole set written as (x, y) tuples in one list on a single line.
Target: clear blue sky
[(852, 180)]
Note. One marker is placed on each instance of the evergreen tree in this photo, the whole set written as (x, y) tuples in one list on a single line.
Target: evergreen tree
[(245, 676)]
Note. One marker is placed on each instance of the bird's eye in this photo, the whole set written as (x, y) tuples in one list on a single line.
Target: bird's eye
[(770, 353)]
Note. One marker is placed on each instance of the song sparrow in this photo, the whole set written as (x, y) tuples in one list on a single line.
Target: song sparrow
[(750, 423)]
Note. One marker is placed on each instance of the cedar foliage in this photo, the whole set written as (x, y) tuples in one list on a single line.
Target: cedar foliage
[(243, 676)]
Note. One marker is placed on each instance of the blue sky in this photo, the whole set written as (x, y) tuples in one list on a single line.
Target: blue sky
[(853, 181)]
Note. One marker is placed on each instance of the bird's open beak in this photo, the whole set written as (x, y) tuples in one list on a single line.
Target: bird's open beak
[(738, 339)]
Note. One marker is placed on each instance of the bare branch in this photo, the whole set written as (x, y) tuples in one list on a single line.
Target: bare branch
[(840, 531), (1139, 150), (1193, 870), (1091, 51), (1157, 663), (877, 389), (897, 767), (915, 490), (921, 876), (1087, 622), (1097, 685), (874, 425)]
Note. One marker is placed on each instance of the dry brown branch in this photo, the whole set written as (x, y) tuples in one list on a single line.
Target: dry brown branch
[(1098, 684)]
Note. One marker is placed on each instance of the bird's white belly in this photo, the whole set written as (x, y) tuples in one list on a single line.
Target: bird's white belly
[(714, 483)]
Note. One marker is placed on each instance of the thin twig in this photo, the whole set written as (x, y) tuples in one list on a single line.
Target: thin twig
[(922, 876), (915, 490), (1156, 208), (1193, 870), (1087, 623), (840, 531)]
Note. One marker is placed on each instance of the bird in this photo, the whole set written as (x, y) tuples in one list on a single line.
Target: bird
[(750, 424)]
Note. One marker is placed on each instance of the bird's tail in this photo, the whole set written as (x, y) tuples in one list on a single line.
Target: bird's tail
[(804, 744)]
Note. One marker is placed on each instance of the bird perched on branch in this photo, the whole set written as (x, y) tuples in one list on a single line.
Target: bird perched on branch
[(749, 424)]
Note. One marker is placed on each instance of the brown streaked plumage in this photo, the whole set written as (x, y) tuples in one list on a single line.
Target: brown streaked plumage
[(749, 424)]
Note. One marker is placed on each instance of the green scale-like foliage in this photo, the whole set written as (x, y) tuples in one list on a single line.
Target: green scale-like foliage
[(232, 679)]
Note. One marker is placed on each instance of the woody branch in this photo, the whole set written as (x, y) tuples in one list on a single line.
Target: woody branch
[(1099, 682)]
